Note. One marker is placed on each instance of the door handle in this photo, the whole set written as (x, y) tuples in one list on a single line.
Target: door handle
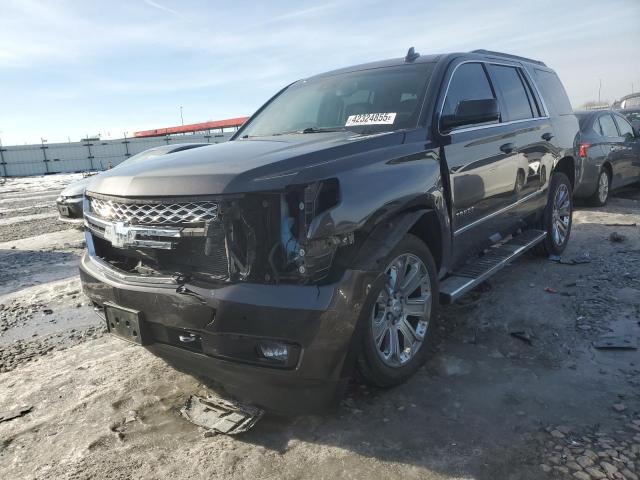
[(508, 147), (188, 338), (547, 136)]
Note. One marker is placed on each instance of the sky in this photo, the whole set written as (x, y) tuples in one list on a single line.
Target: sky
[(74, 68)]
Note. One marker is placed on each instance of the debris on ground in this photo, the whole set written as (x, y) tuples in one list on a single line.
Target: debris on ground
[(550, 290), (220, 415), (523, 335), (592, 455), (619, 407), (616, 342), (621, 224), (15, 413), (576, 260), (616, 237)]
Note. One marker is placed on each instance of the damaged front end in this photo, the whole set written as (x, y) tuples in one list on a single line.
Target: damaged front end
[(255, 237)]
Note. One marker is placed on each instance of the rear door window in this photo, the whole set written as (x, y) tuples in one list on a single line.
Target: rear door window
[(515, 103), (607, 126), (469, 82), (624, 127), (555, 97)]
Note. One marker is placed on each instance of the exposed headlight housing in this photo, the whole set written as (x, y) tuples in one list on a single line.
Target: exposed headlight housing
[(310, 258)]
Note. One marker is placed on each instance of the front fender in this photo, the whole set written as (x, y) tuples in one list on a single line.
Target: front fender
[(384, 238)]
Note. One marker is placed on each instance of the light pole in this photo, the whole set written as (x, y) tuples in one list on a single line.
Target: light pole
[(599, 91), (181, 118), (2, 164)]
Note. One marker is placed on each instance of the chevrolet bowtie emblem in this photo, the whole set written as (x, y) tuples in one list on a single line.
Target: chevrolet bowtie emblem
[(119, 234)]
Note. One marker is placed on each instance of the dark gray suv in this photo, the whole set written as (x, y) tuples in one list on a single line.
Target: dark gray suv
[(321, 239)]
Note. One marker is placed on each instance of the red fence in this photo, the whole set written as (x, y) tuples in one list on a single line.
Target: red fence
[(194, 127)]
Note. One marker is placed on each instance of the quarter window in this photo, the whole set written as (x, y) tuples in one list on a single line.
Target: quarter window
[(596, 127), (469, 82), (555, 97), (607, 126)]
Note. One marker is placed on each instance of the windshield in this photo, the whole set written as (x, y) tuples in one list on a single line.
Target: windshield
[(375, 100), (632, 102), (632, 116)]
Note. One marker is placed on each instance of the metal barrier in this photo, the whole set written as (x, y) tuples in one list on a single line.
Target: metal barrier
[(89, 154)]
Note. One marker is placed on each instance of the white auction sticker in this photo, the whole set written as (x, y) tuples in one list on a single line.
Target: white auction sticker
[(370, 119)]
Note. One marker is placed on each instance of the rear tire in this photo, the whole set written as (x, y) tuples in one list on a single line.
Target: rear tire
[(557, 217), (601, 195), (397, 328)]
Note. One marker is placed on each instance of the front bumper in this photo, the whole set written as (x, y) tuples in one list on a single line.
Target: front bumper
[(230, 318), (70, 209)]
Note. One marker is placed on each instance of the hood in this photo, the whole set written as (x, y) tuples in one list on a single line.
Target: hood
[(77, 188), (240, 166)]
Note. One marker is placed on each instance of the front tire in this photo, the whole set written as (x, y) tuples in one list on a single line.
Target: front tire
[(399, 315), (557, 217), (601, 195)]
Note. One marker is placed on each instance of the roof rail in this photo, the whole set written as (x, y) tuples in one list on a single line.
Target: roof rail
[(507, 55)]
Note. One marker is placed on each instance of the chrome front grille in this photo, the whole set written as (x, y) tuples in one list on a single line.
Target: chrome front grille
[(154, 213)]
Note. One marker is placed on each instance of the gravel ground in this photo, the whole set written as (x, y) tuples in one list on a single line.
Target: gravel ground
[(15, 231), (514, 388)]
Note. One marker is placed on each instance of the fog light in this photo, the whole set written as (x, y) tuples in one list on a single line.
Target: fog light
[(274, 351)]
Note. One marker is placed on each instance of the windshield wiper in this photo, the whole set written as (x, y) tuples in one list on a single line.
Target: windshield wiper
[(306, 130), (323, 129)]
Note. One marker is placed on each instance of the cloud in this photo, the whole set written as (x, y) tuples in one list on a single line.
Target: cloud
[(153, 4), (144, 57)]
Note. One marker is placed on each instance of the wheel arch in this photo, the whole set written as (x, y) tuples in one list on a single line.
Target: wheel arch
[(424, 223), (567, 165), (607, 165)]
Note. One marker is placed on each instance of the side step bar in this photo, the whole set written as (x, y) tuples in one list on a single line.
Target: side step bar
[(475, 272)]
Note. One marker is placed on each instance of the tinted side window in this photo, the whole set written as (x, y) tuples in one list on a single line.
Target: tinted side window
[(624, 126), (553, 92), (607, 126), (469, 82), (514, 96)]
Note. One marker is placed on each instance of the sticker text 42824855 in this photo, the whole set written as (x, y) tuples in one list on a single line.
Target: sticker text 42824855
[(370, 119)]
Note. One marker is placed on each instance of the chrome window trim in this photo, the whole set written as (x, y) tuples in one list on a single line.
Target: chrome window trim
[(497, 212), (480, 127)]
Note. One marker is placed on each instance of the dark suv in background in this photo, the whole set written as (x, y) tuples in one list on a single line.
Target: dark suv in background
[(323, 236)]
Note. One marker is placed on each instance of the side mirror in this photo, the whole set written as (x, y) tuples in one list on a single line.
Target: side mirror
[(472, 112)]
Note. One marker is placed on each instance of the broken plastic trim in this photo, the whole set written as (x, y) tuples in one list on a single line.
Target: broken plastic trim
[(220, 415)]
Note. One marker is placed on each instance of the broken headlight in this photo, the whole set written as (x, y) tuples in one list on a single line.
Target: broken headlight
[(304, 256)]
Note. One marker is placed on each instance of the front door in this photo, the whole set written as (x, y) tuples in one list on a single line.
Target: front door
[(630, 149), (488, 172)]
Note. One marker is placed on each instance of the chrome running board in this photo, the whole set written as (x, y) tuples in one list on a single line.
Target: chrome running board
[(477, 271)]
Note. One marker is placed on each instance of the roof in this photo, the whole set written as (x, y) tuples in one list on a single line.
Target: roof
[(432, 58), (491, 53), (392, 62)]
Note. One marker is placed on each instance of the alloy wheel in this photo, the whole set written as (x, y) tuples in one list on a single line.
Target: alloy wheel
[(400, 317), (603, 187), (561, 216)]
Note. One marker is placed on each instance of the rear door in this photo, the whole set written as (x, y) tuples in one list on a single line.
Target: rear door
[(614, 148), (521, 106)]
